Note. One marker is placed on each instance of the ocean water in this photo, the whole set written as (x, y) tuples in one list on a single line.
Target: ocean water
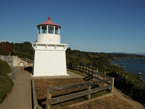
[(133, 65)]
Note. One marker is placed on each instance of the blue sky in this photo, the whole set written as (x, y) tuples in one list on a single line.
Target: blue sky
[(86, 25)]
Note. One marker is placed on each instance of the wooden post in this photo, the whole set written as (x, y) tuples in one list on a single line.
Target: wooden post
[(90, 69), (84, 68), (87, 70), (97, 72), (112, 85), (89, 89), (74, 66), (48, 105), (94, 75), (104, 78)]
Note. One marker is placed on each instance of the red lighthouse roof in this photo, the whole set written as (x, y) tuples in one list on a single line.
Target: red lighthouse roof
[(48, 22)]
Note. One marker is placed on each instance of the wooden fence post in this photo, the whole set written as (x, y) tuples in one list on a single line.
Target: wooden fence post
[(84, 68), (87, 70), (89, 89), (112, 85), (90, 69), (72, 66), (48, 105), (94, 75), (104, 78), (78, 67), (97, 72)]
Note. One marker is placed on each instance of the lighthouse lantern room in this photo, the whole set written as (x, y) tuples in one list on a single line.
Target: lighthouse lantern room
[(49, 53)]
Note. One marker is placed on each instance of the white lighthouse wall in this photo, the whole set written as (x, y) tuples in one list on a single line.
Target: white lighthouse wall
[(49, 63), (48, 38)]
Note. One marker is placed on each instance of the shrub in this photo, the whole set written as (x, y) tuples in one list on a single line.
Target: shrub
[(4, 68), (5, 81), (131, 84), (5, 87)]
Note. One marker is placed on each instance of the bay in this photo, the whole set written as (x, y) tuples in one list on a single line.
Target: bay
[(133, 65)]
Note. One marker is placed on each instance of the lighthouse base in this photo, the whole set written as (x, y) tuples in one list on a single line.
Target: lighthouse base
[(49, 63)]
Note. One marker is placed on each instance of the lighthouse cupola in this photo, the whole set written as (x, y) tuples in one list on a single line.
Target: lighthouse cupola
[(48, 32)]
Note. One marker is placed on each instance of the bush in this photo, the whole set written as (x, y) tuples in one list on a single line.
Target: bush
[(4, 68), (131, 84), (5, 87), (5, 81)]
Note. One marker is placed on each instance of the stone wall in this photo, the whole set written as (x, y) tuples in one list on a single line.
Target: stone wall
[(15, 61)]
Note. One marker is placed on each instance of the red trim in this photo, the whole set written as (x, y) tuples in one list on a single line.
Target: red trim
[(48, 22)]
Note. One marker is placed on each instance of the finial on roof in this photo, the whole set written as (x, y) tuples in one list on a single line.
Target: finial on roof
[(49, 17)]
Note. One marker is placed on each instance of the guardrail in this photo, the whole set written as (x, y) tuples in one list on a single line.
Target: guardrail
[(97, 79), (34, 98)]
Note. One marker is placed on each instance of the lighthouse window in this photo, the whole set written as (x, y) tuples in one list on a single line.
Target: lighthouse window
[(56, 30), (50, 30), (38, 30), (44, 29)]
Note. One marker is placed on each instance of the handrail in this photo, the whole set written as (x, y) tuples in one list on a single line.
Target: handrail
[(89, 70), (76, 85), (54, 100)]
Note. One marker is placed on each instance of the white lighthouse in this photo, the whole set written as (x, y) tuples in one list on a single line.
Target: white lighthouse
[(49, 53)]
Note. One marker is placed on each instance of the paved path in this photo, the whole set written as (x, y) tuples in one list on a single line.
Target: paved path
[(126, 98), (20, 97)]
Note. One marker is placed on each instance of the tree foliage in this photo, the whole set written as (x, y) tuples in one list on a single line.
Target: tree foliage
[(100, 61), (24, 49), (129, 83)]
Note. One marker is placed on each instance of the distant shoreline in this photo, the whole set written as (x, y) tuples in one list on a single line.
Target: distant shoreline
[(126, 59)]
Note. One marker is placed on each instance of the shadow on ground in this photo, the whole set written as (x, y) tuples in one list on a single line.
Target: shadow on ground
[(43, 105), (29, 69)]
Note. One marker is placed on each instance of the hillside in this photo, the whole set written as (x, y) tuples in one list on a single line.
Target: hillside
[(25, 50)]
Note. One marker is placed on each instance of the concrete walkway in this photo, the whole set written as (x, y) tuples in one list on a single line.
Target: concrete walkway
[(20, 96)]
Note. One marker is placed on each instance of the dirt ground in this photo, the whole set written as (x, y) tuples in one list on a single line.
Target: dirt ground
[(105, 103)]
